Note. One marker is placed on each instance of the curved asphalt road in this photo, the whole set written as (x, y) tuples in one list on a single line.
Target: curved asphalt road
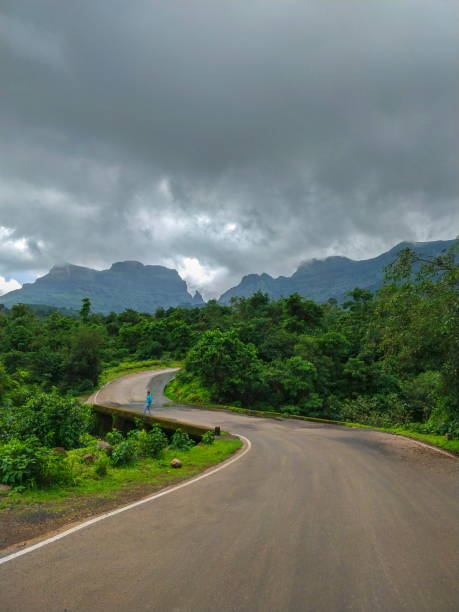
[(315, 518)]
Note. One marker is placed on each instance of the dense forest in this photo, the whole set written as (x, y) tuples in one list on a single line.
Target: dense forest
[(385, 359), (389, 358)]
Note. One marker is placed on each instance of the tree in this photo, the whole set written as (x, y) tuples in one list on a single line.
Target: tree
[(418, 319), (20, 311), (84, 362), (299, 380), (355, 321), (229, 368), (301, 314), (5, 382), (85, 309), (328, 352), (360, 299)]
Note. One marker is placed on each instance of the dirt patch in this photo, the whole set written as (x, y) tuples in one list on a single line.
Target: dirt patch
[(40, 515)]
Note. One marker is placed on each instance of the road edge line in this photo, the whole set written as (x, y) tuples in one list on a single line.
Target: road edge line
[(63, 534)]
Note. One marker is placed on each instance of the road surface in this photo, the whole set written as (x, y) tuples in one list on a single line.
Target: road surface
[(315, 518)]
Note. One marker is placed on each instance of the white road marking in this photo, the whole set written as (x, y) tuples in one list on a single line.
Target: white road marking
[(59, 536)]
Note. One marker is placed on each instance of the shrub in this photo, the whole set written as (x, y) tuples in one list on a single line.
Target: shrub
[(20, 462), (149, 444), (123, 452), (181, 440), (290, 410), (422, 393), (87, 439), (208, 437), (114, 436), (101, 464), (27, 463), (453, 429), (54, 420), (56, 469)]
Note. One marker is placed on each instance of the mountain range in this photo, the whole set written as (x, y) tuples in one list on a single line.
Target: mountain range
[(126, 284), (130, 284), (333, 277)]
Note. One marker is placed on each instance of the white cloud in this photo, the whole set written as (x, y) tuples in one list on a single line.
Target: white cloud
[(10, 246), (8, 285), (198, 277)]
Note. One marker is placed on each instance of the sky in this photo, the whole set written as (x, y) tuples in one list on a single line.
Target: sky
[(224, 138)]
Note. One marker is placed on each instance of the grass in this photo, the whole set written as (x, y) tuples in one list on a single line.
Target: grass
[(154, 472), (129, 367), (191, 393)]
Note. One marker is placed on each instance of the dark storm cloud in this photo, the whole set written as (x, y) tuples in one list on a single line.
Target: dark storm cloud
[(224, 138)]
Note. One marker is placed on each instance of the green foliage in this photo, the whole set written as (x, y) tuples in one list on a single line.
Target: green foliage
[(181, 440), (56, 469), (102, 464), (123, 452), (417, 317), (114, 436), (423, 394), (229, 368), (290, 410), (292, 382), (84, 362), (86, 440), (20, 462), (148, 443), (27, 463), (52, 419), (301, 314), (328, 352), (188, 389), (85, 309), (208, 437)]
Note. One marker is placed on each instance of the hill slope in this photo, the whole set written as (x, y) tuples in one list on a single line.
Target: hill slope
[(127, 284), (333, 277)]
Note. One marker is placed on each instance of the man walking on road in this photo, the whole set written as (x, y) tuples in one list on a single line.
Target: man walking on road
[(148, 402)]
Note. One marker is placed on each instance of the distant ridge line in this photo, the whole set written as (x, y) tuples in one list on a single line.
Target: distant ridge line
[(145, 288)]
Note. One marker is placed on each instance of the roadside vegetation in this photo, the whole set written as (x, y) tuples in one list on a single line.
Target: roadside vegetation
[(389, 360), (47, 443), (55, 477)]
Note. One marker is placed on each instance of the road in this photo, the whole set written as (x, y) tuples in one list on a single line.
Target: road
[(314, 518)]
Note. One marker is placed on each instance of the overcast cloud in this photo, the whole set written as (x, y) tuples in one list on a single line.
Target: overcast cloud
[(223, 138)]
